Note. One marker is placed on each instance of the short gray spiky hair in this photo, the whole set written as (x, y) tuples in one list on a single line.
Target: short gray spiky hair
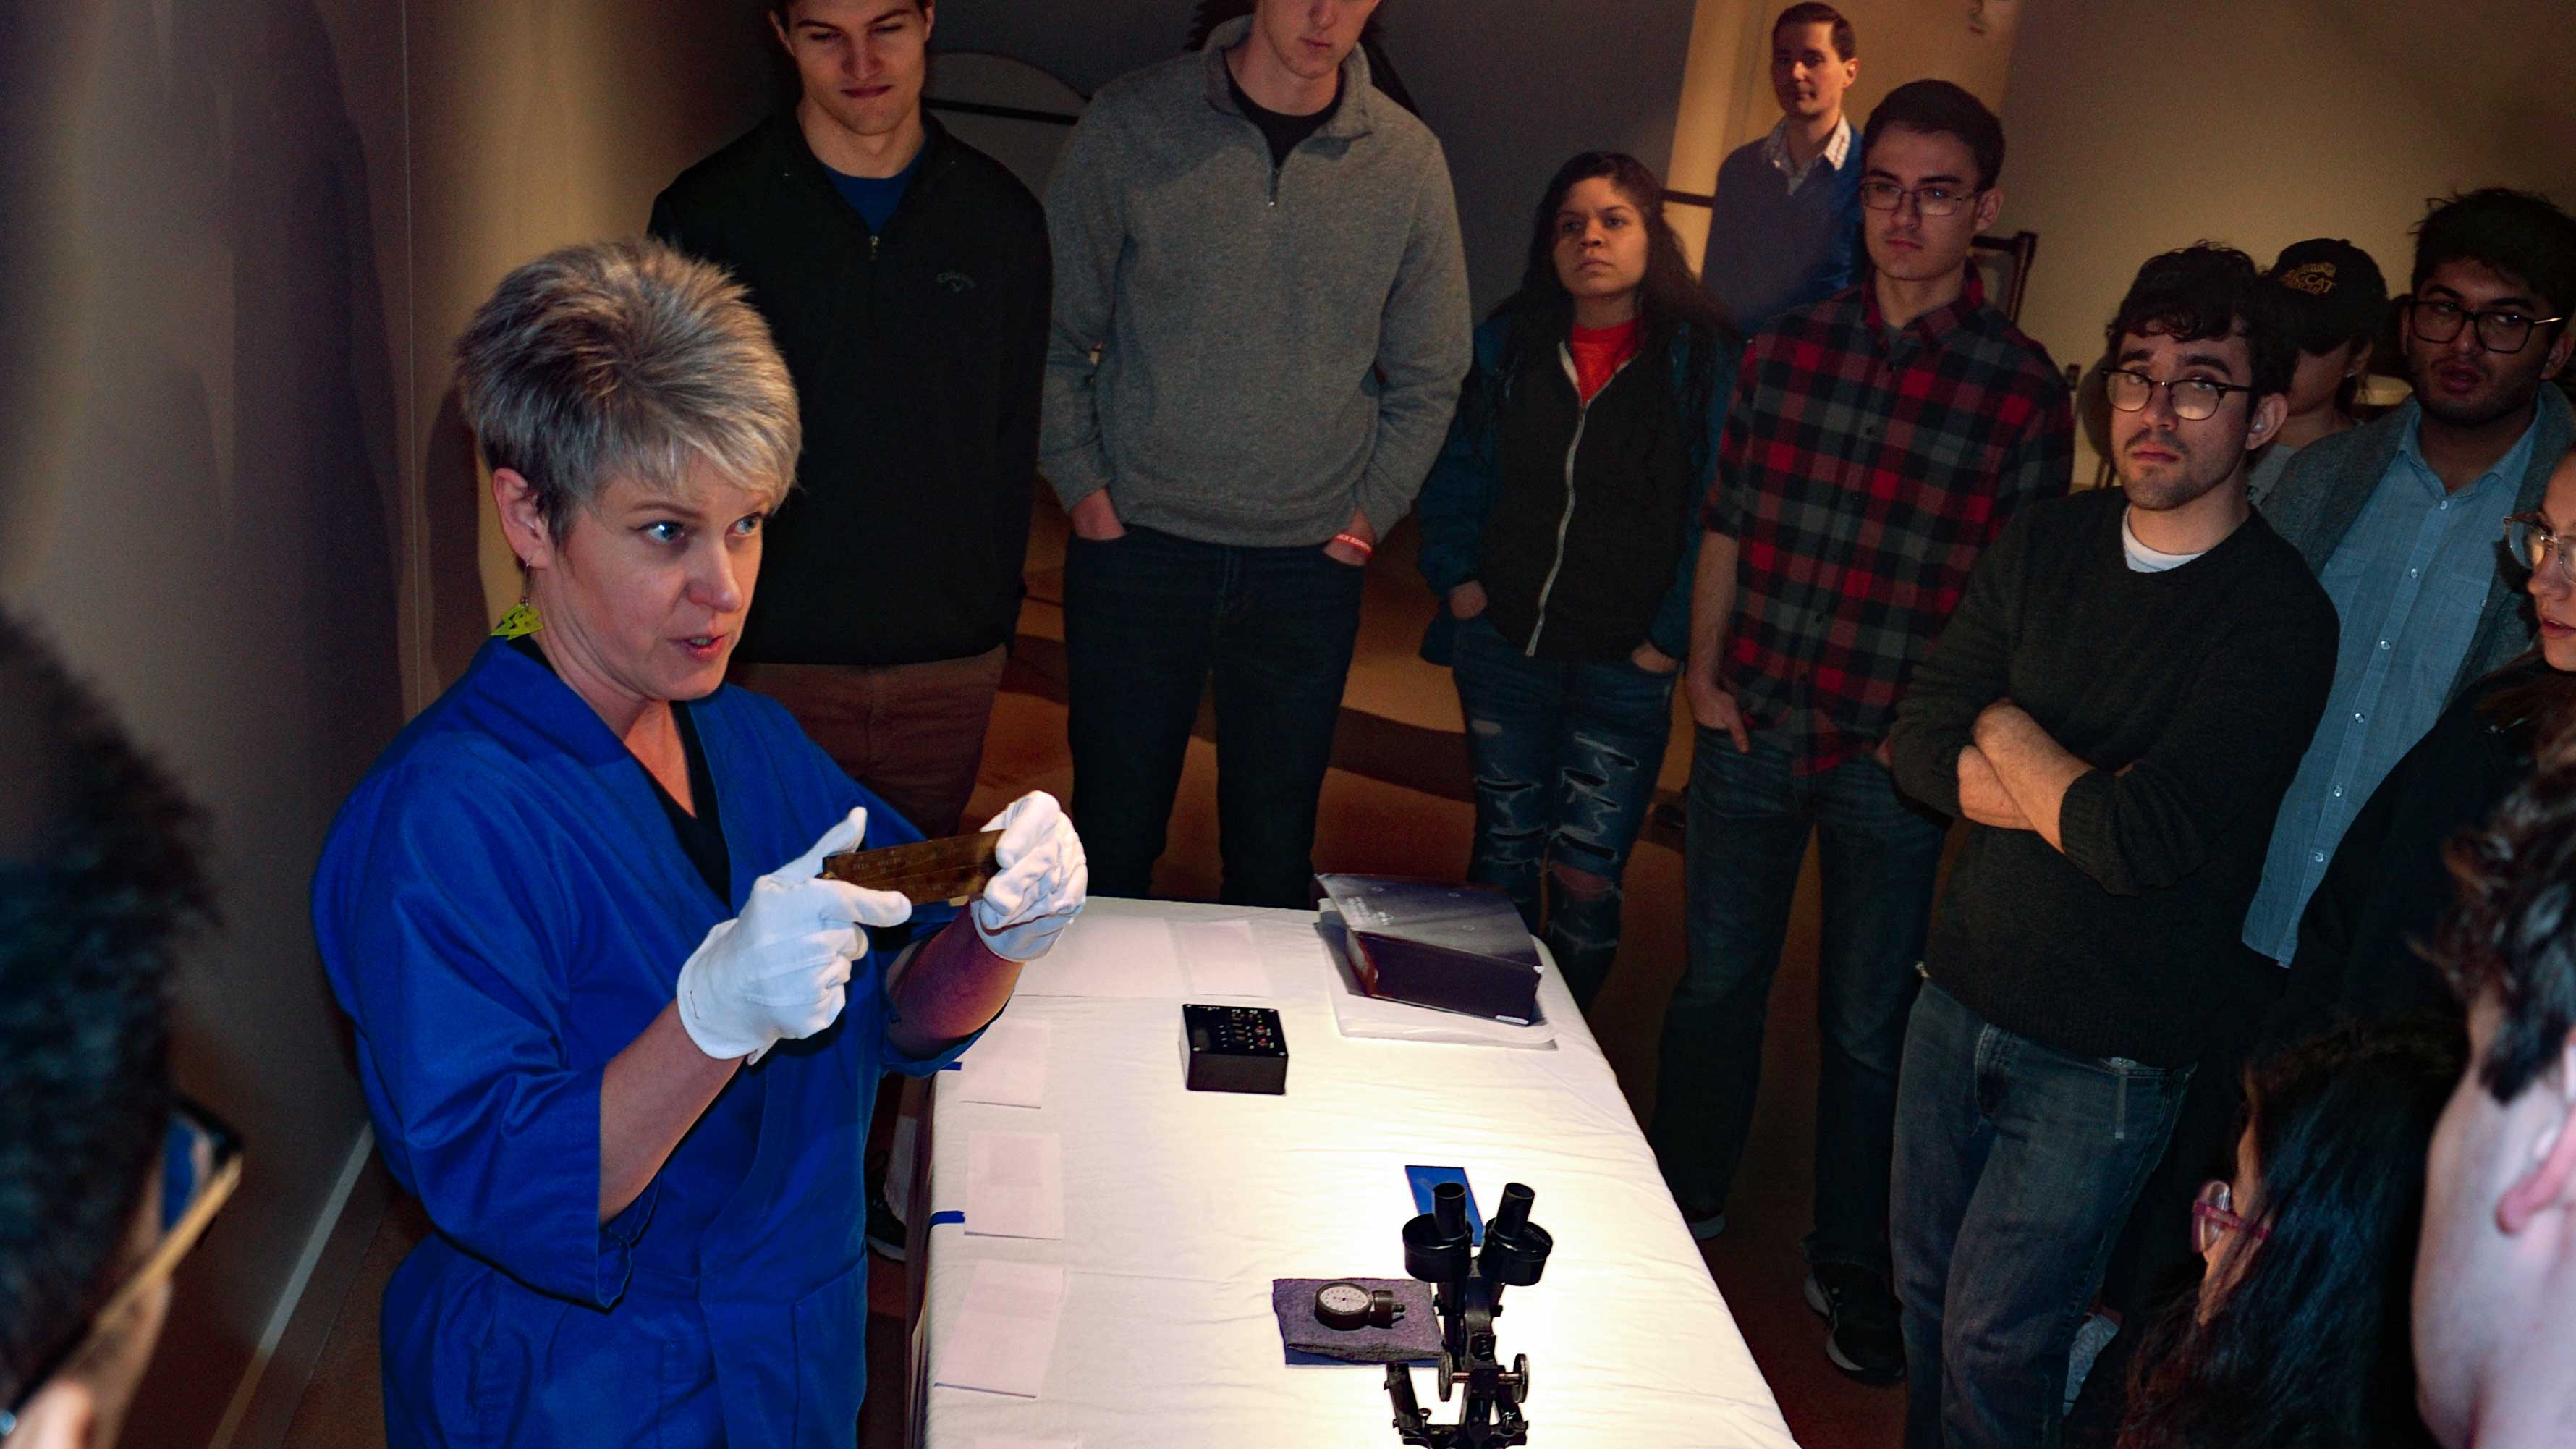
[(625, 358)]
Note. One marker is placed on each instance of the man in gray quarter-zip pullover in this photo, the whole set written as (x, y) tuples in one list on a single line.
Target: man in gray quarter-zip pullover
[(1260, 329)]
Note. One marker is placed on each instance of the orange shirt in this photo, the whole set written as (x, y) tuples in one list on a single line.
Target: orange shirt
[(1598, 352)]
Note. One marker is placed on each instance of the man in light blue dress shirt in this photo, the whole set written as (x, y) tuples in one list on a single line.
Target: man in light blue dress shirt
[(2401, 518)]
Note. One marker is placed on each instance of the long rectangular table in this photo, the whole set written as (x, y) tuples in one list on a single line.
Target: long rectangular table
[(1180, 1207)]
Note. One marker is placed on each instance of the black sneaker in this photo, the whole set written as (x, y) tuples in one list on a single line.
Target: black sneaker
[(885, 1230), (1862, 1336)]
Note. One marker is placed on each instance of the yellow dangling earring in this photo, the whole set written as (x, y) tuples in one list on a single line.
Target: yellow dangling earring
[(521, 621)]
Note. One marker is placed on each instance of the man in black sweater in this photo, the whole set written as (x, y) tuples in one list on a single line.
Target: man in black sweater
[(2117, 707), (905, 276)]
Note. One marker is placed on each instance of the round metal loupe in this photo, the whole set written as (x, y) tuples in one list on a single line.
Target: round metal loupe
[(1348, 1306)]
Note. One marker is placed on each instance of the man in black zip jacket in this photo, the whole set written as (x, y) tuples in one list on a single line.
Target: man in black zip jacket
[(906, 277)]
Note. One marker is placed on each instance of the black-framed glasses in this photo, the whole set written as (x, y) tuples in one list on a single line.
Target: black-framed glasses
[(1880, 195), (2537, 546), (2193, 398), (201, 1165), (2500, 329)]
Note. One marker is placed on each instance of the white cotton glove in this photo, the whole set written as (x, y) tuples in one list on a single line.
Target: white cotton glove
[(1043, 882), (781, 969)]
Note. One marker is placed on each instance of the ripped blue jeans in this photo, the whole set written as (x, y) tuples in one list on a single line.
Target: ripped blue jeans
[(1565, 758)]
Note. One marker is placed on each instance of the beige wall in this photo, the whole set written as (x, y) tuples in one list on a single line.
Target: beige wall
[(199, 491), (1726, 88), (243, 234), (536, 124), (2256, 152)]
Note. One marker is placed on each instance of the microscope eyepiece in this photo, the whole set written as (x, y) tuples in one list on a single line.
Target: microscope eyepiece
[(1449, 1208)]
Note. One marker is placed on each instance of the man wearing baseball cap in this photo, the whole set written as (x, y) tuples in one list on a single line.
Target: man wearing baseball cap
[(2341, 302)]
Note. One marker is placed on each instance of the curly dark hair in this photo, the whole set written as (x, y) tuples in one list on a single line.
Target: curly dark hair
[(98, 883), (2309, 1347), (1671, 304), (2513, 929), (2207, 290)]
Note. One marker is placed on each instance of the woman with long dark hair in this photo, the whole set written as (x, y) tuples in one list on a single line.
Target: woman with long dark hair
[(1559, 529), (2298, 1336)]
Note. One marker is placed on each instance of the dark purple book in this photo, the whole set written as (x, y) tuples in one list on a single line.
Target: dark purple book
[(1455, 947)]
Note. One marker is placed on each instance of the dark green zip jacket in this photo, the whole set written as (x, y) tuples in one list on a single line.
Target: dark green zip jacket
[(917, 354)]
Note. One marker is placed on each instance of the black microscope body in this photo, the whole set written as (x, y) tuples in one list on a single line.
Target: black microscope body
[(1439, 1248)]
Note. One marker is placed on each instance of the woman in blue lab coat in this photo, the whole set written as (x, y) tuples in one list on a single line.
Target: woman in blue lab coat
[(613, 1030)]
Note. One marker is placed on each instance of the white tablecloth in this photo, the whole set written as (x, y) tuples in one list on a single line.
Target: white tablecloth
[(1180, 1207)]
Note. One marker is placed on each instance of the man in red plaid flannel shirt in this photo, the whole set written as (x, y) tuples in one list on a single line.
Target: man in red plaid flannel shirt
[(1877, 443)]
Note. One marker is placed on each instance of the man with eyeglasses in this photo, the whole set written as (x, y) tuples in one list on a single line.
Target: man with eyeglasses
[(105, 1179), (2399, 518), (1877, 442), (2116, 707)]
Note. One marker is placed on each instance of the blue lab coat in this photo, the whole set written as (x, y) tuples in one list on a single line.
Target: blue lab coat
[(502, 907)]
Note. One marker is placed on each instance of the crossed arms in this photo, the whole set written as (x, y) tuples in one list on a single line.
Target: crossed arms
[(2228, 727)]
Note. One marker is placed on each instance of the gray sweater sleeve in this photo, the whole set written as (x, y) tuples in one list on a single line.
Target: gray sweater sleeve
[(1422, 356), (1086, 228)]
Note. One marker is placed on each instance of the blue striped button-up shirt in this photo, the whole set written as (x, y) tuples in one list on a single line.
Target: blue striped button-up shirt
[(2408, 582)]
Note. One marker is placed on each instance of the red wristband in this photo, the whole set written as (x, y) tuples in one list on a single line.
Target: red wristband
[(1366, 548)]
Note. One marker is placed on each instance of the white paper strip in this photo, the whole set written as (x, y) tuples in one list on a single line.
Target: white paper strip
[(1015, 1184), (1220, 958), (1007, 1065), (1108, 955), (1005, 1333)]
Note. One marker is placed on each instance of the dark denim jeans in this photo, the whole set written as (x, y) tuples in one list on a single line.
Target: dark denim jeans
[(1147, 619), (1565, 757), (2016, 1165), (1879, 853)]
